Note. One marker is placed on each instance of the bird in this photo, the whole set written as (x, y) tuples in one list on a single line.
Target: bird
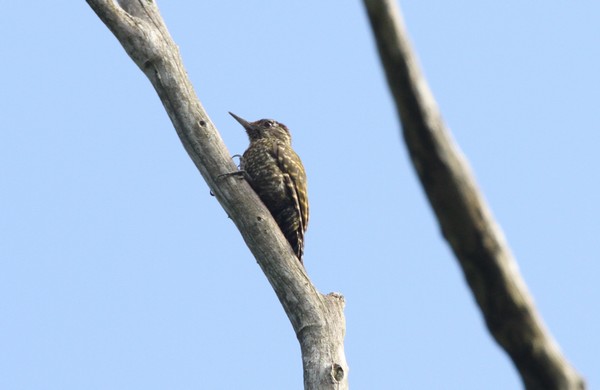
[(278, 177)]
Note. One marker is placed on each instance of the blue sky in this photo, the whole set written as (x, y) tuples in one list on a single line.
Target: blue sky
[(118, 270)]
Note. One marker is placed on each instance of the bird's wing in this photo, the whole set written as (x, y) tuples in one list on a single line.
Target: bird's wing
[(290, 163), (295, 180)]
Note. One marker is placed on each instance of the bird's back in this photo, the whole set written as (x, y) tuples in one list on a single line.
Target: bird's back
[(277, 175)]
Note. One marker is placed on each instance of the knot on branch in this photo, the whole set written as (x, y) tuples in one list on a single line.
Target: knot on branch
[(337, 372), (136, 8)]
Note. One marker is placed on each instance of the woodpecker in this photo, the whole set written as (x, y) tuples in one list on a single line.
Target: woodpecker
[(277, 175)]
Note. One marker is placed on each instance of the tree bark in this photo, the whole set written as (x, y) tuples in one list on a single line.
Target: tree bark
[(464, 217), (317, 319)]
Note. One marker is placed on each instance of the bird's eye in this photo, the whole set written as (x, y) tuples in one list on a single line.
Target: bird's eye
[(268, 124)]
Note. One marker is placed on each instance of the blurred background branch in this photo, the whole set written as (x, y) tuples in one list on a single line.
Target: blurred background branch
[(464, 217)]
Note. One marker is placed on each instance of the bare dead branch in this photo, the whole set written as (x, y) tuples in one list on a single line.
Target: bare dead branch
[(317, 319), (465, 219)]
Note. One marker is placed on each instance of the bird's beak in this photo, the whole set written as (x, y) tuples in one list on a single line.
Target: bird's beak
[(242, 121)]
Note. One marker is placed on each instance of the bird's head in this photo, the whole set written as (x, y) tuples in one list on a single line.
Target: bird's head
[(265, 128)]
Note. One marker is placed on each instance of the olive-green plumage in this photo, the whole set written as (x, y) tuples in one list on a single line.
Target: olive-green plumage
[(277, 175)]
